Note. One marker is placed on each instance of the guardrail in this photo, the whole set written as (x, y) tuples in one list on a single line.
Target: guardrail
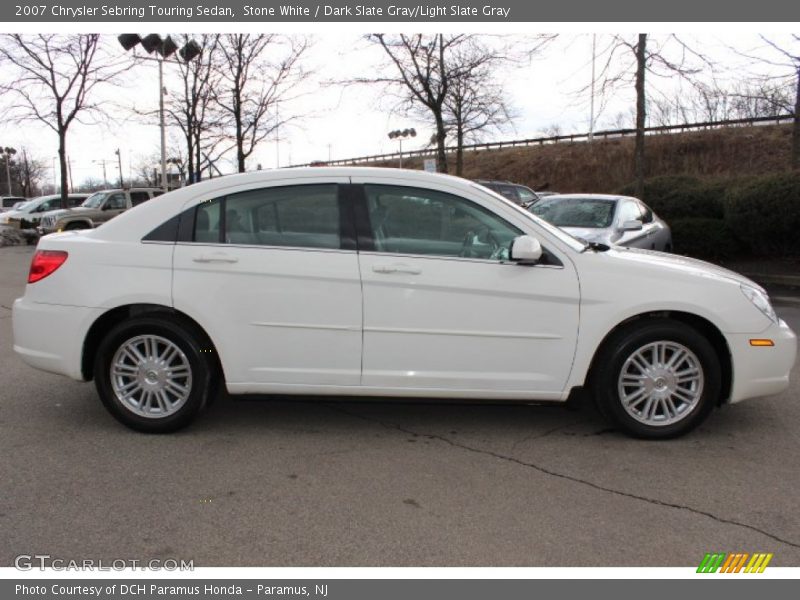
[(573, 137)]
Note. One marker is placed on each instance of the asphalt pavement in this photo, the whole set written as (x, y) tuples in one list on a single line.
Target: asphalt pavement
[(375, 483)]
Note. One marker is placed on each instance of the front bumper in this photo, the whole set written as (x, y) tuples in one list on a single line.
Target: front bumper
[(761, 371), (50, 336)]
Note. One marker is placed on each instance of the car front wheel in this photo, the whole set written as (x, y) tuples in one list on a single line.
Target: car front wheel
[(657, 379), (151, 374)]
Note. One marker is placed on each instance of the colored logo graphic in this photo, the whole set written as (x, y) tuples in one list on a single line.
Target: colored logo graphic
[(740, 562)]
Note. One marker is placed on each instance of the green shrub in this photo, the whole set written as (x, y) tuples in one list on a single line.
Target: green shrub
[(682, 196), (709, 239), (764, 213)]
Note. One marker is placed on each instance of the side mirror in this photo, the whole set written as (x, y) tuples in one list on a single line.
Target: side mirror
[(632, 225), (525, 250)]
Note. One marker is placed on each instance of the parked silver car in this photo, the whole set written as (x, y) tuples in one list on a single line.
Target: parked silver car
[(606, 219)]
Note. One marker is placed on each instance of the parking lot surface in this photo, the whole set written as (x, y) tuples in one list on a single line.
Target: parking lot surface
[(374, 483)]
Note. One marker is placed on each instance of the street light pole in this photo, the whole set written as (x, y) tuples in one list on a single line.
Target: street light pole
[(399, 135), (164, 184), (9, 153), (165, 48)]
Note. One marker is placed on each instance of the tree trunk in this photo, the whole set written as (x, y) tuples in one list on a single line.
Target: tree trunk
[(641, 114), (62, 162), (239, 144), (796, 128), (460, 151), (441, 156)]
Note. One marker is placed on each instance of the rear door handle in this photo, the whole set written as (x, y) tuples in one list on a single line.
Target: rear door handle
[(385, 269), (218, 257)]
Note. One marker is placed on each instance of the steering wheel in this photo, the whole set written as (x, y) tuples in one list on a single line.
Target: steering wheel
[(472, 235)]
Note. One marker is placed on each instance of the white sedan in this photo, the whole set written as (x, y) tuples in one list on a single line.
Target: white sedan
[(384, 282)]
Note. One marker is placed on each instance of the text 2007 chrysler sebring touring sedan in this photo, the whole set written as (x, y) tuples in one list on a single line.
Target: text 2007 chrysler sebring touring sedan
[(381, 282)]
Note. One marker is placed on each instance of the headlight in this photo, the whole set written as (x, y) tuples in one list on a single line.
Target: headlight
[(760, 300)]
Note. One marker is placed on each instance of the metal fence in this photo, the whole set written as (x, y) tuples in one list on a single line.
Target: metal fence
[(555, 139)]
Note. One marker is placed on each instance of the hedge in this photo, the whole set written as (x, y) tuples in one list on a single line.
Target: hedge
[(705, 238), (764, 213), (682, 196)]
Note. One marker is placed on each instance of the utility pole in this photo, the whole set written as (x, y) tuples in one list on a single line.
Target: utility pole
[(161, 92), (591, 109), (69, 172), (119, 163)]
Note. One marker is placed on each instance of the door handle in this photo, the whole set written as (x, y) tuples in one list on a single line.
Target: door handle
[(396, 269), (218, 257)]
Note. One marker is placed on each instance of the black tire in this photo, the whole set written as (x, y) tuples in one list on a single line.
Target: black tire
[(203, 376), (608, 365)]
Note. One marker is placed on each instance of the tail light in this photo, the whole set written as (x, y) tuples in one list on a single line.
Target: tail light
[(44, 263)]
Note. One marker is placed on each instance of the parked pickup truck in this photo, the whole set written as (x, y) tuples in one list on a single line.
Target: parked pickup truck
[(97, 209)]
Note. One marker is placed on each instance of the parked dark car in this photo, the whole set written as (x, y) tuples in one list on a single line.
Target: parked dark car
[(516, 192)]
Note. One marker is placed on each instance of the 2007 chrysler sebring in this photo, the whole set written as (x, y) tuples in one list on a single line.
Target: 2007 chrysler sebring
[(382, 282)]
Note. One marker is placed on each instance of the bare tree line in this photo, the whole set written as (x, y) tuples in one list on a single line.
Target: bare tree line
[(240, 91)]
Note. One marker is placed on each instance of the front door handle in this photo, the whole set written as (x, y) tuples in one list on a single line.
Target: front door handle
[(218, 257), (385, 269)]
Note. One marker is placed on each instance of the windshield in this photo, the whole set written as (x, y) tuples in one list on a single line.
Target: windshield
[(95, 200), (554, 231), (592, 213), (24, 205)]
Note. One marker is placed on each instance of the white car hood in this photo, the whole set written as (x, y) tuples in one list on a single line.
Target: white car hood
[(680, 264)]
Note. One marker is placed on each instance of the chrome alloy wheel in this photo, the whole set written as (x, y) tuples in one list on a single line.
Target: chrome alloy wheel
[(660, 383), (151, 376)]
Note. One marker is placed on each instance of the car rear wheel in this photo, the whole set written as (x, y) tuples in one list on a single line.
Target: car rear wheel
[(151, 374), (657, 379)]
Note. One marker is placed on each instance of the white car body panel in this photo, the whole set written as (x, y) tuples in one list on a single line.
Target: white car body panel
[(287, 320)]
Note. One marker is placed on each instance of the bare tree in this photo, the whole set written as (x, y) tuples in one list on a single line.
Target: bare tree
[(421, 73), (31, 172), (194, 109), (53, 79), (257, 74), (785, 55), (627, 62), (475, 101)]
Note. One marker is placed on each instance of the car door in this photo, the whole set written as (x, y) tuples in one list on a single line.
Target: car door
[(446, 312), (114, 205), (273, 277), (628, 210)]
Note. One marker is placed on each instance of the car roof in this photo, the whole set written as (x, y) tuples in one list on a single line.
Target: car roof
[(590, 196)]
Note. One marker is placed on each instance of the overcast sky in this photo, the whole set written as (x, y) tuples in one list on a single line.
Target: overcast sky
[(343, 122)]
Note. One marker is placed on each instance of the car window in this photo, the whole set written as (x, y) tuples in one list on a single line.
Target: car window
[(629, 211), (594, 213), (507, 191), (95, 200), (139, 197), (296, 216), (51, 204), (525, 195), (409, 220), (73, 201), (207, 222), (647, 213), (115, 202)]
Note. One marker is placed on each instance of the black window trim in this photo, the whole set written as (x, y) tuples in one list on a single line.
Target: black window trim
[(366, 242), (346, 198)]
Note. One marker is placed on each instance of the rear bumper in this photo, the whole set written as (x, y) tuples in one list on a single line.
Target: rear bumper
[(762, 371), (50, 336)]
